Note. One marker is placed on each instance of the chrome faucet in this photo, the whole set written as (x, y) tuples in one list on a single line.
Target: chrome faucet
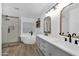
[(69, 35)]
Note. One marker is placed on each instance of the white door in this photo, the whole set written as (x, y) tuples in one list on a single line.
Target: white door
[(10, 31)]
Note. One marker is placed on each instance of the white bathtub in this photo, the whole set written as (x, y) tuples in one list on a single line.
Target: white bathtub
[(28, 38)]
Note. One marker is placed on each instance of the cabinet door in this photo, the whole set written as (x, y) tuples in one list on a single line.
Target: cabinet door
[(55, 51), (52, 50), (59, 52), (44, 49)]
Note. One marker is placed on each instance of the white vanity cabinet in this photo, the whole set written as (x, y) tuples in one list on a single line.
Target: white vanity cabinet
[(48, 49), (42, 44)]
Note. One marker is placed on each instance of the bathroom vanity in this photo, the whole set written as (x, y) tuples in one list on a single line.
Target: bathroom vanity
[(67, 43), (56, 46)]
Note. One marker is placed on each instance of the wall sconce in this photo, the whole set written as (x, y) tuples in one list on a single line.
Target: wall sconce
[(38, 23)]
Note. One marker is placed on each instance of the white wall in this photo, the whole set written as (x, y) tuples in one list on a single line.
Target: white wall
[(55, 19), (0, 28)]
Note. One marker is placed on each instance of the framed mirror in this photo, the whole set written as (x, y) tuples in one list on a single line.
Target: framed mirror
[(47, 25), (69, 20)]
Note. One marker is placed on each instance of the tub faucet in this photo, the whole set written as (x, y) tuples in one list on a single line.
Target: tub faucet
[(69, 35), (31, 33)]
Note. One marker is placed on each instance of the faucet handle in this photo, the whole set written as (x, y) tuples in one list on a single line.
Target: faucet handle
[(76, 42), (65, 39)]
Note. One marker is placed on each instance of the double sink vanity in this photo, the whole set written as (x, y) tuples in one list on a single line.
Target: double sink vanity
[(57, 46), (67, 43)]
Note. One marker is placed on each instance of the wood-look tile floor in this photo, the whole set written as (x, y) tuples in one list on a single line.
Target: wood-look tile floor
[(21, 50)]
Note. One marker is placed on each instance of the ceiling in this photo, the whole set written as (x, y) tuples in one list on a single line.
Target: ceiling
[(29, 10)]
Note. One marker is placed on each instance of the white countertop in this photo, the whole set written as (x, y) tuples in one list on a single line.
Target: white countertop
[(59, 42)]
